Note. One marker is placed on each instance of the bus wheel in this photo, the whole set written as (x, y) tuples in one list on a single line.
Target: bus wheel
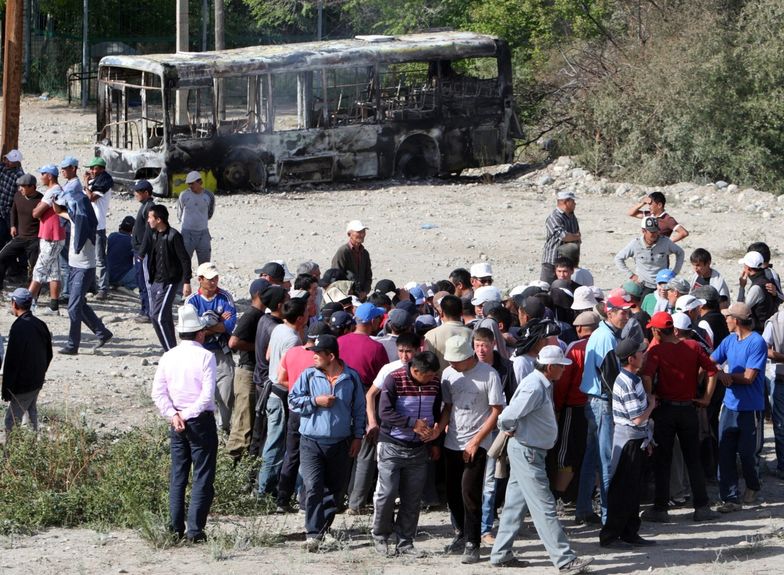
[(417, 159), (234, 176), (257, 177)]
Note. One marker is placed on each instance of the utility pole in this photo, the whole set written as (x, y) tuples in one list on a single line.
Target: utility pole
[(220, 44), (181, 96), (85, 54), (205, 24), (12, 73), (320, 20)]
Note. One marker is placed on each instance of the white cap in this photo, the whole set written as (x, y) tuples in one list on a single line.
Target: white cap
[(193, 176), (540, 284), (552, 355), (584, 298), (566, 195), (687, 303), (753, 260), (355, 226), (582, 276), (14, 156), (458, 348), (517, 290), (410, 285), (188, 320), (298, 294), (481, 270), (287, 275), (485, 294), (207, 270), (681, 321)]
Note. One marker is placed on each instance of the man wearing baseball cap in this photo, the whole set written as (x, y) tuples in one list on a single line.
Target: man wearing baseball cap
[(562, 229), (195, 208), (530, 420), (481, 275), (657, 300), (762, 303), (98, 185), (10, 171), (354, 259), (744, 354), (24, 227), (142, 192)]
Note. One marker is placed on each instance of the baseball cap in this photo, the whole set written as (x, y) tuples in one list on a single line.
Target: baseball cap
[(628, 346), (485, 294), (127, 223), (257, 286), (582, 276), (618, 302), (664, 276), (408, 306), (97, 161), (707, 293), (207, 270), (681, 321), (650, 223), (14, 156), (417, 294), (400, 318), (318, 328), (332, 275), (340, 320), (587, 318), (688, 302), (566, 195), (458, 348), (753, 260), (50, 169), (367, 312), (193, 176), (325, 342), (22, 297), (355, 226), (68, 162), (273, 296), (142, 185), (680, 285), (273, 270), (583, 298), (552, 355), (287, 275), (632, 288), (25, 180), (424, 323), (533, 307), (385, 286), (481, 270), (660, 320), (738, 310)]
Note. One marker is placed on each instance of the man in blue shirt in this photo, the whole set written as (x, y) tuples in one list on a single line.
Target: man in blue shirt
[(217, 307), (330, 399), (119, 256), (744, 353)]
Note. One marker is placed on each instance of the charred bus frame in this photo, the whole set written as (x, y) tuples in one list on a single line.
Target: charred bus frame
[(415, 105)]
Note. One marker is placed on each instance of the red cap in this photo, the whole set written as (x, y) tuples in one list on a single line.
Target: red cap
[(618, 302), (660, 320)]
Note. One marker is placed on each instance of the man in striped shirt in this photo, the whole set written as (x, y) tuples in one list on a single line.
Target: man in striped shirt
[(562, 228)]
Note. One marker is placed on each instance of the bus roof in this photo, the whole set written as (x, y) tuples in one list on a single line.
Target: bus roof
[(194, 67)]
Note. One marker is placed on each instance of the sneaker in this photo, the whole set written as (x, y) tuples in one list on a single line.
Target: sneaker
[(705, 513), (102, 296), (312, 544), (640, 542), (129, 292), (352, 511), (655, 516), (103, 341), (729, 507), (488, 539), (511, 562), (196, 539), (592, 519), (677, 502), (576, 565), (381, 546), (470, 554), (141, 318), (49, 311), (750, 496), (456, 545), (68, 351), (410, 551), (283, 509), (615, 544)]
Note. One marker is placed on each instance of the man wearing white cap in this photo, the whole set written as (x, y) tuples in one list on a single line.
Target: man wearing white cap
[(562, 230), (481, 275), (10, 171), (763, 304), (530, 421), (184, 391), (354, 259), (195, 207)]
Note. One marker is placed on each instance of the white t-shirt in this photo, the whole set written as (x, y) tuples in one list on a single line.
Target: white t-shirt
[(384, 372), (101, 208)]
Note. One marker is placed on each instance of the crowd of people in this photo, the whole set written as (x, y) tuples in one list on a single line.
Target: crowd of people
[(356, 393)]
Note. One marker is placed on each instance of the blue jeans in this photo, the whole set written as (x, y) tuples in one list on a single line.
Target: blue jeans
[(325, 469), (777, 414), (65, 269), (488, 494), (598, 450), (128, 280), (274, 446), (529, 490), (739, 436), (140, 267), (197, 446), (79, 281)]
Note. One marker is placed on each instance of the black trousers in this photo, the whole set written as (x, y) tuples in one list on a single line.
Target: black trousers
[(15, 248), (287, 482), (681, 421), (623, 497), (464, 483)]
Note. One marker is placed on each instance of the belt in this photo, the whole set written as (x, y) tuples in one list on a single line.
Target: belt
[(677, 403)]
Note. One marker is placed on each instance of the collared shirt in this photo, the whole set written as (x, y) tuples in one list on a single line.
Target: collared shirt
[(557, 225), (185, 381), (629, 399), (649, 260), (601, 364), (531, 414), (8, 188)]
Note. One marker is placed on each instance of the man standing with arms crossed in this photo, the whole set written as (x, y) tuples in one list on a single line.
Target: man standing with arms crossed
[(562, 228), (195, 207), (98, 188)]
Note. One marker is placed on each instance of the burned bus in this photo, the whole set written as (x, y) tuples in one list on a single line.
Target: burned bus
[(417, 105)]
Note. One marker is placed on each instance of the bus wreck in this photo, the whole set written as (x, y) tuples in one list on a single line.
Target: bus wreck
[(417, 105)]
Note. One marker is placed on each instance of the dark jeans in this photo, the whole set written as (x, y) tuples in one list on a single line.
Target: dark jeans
[(739, 436), (15, 248), (140, 266), (464, 483), (79, 281), (287, 483), (197, 446), (363, 476), (325, 469), (777, 415), (681, 421), (161, 298), (101, 271), (623, 497)]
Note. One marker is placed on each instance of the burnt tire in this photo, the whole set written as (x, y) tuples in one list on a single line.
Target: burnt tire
[(242, 175), (417, 160)]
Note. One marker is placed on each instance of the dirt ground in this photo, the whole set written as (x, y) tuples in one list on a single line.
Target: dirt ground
[(417, 232)]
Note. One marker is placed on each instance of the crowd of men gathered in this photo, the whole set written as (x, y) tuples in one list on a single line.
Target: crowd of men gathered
[(352, 393)]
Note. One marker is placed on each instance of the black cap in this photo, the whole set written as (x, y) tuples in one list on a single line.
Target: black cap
[(628, 347), (317, 329), (708, 293), (409, 306), (142, 185), (127, 223), (532, 306), (257, 286), (340, 320), (385, 286), (329, 308), (273, 296), (25, 180), (326, 342), (273, 270), (332, 275)]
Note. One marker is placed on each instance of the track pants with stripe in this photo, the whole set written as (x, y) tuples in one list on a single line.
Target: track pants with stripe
[(161, 299)]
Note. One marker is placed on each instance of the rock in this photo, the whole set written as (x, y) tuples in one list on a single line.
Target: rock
[(721, 184), (622, 189), (564, 162), (578, 173), (732, 188), (765, 215), (145, 362), (544, 180)]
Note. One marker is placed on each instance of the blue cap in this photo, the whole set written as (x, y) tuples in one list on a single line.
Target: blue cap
[(367, 312), (664, 276), (409, 306), (340, 320), (69, 162), (142, 185), (257, 286), (417, 294), (50, 169), (22, 297)]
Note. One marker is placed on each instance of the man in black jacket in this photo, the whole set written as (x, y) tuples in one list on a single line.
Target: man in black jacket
[(141, 229), (168, 265), (27, 359)]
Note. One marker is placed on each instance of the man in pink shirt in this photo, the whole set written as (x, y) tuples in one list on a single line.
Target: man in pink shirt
[(184, 392), (51, 239)]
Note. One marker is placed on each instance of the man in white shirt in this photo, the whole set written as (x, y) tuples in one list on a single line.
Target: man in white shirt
[(98, 189)]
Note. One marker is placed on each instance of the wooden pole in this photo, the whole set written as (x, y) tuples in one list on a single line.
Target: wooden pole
[(220, 44), (12, 73), (181, 97)]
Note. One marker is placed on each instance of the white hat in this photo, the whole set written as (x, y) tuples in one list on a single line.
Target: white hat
[(753, 260), (485, 294), (458, 348), (552, 355), (188, 320), (566, 195), (584, 298), (355, 226), (207, 270), (287, 275), (298, 294), (582, 276), (481, 270), (410, 285), (544, 286), (687, 303), (681, 321), (193, 176), (14, 156), (517, 290)]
